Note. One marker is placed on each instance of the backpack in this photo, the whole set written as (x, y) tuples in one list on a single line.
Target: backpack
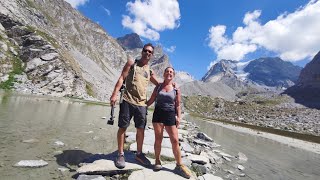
[(131, 69)]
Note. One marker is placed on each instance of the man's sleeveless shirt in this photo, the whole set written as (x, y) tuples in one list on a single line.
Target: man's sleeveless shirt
[(136, 85)]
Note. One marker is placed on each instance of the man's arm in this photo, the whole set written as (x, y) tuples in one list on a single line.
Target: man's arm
[(153, 96), (124, 74), (153, 79)]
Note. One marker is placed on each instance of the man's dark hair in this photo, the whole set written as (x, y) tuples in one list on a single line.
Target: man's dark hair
[(148, 44)]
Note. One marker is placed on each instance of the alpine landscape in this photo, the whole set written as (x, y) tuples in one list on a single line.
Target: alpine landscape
[(49, 49)]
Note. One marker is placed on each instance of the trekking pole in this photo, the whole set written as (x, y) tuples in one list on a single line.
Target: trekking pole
[(111, 120)]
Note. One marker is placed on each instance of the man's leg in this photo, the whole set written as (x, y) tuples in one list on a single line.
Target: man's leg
[(140, 120), (139, 139), (120, 137), (123, 123)]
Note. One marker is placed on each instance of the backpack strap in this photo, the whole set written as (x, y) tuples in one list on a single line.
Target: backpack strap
[(131, 68)]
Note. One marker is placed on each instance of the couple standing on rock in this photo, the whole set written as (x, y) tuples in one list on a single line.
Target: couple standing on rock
[(136, 76)]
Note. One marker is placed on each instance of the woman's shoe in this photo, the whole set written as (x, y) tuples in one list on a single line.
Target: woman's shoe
[(157, 167)]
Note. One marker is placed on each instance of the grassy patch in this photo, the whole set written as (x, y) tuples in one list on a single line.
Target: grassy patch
[(44, 35), (17, 69), (89, 89), (196, 170), (48, 38), (31, 4)]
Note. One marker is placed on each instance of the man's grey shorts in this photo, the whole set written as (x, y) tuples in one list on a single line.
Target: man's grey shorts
[(128, 110)]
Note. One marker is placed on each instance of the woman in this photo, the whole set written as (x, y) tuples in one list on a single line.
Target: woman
[(167, 115)]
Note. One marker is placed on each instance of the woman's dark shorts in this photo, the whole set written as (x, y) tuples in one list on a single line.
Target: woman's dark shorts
[(168, 118), (128, 110)]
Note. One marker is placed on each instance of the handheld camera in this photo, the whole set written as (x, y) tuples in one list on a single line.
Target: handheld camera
[(111, 120)]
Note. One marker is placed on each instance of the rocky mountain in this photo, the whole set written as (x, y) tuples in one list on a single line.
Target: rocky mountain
[(214, 89), (273, 72), (228, 72), (306, 91), (268, 72), (61, 52), (130, 41), (48, 47), (310, 74), (182, 77)]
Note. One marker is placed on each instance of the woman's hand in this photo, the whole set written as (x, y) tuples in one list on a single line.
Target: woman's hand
[(177, 121)]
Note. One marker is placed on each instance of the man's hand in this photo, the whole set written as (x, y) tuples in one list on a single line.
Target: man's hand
[(113, 99)]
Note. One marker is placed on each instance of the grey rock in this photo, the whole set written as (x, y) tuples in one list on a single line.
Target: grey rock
[(90, 177), (50, 56), (209, 177), (203, 136), (31, 163)]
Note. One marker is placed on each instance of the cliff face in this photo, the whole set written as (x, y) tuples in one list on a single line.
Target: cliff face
[(310, 74), (306, 91), (32, 64), (92, 56), (273, 72)]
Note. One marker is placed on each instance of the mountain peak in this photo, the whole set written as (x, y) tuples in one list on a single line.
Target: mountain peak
[(130, 41)]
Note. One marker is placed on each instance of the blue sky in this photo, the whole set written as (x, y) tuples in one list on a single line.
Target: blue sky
[(197, 33)]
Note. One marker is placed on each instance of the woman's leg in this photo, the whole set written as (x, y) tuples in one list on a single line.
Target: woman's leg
[(158, 133), (173, 134)]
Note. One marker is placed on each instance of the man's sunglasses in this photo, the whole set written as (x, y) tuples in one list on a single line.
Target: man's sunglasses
[(146, 50)]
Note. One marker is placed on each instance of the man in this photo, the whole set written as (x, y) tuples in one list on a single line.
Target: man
[(136, 76)]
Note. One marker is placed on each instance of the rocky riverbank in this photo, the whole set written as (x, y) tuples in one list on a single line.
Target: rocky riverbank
[(271, 111), (200, 153)]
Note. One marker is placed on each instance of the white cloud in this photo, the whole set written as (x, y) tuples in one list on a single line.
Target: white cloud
[(106, 10), (236, 51), (293, 36), (77, 3), (171, 49), (148, 17)]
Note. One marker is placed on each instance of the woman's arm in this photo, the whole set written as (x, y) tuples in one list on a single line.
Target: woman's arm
[(178, 106)]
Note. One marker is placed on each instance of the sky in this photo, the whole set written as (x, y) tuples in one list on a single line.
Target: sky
[(196, 34)]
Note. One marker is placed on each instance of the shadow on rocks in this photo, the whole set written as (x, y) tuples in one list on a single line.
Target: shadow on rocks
[(71, 159), (306, 96)]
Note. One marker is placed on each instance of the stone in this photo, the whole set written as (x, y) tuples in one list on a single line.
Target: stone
[(198, 159), (49, 56), (90, 177), (31, 163), (186, 147), (104, 165), (149, 174), (209, 177), (203, 136)]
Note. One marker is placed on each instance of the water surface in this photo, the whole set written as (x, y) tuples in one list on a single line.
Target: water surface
[(267, 159)]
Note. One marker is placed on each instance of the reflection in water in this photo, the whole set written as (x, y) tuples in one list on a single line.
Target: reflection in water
[(41, 122), (267, 159)]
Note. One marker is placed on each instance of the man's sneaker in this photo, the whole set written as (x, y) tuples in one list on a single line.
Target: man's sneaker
[(120, 161), (142, 159), (183, 171)]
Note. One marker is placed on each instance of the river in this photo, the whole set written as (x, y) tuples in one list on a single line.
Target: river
[(63, 132)]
